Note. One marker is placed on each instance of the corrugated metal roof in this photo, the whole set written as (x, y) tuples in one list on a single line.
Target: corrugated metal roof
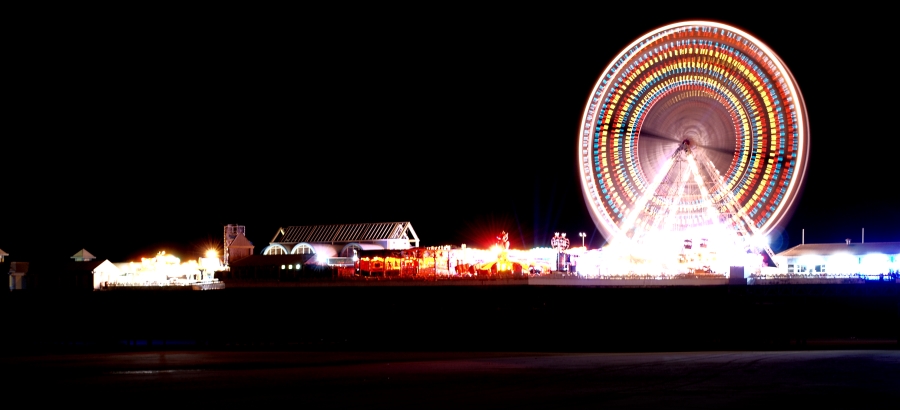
[(887, 248), (346, 232)]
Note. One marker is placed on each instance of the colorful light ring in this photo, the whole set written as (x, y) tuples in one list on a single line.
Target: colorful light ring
[(704, 64)]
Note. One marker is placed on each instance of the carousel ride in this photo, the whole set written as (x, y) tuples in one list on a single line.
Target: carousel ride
[(499, 261), (502, 265), (694, 146)]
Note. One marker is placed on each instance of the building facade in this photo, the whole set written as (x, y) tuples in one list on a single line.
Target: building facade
[(840, 259)]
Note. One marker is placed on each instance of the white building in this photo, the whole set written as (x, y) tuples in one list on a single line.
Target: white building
[(839, 259)]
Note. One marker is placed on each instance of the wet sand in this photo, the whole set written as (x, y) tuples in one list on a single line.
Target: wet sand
[(437, 380)]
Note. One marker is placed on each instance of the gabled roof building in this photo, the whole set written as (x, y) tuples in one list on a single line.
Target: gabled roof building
[(82, 272), (82, 256), (339, 244), (236, 245)]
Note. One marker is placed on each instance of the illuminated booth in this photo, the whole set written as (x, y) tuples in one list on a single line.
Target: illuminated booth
[(387, 263), (407, 263)]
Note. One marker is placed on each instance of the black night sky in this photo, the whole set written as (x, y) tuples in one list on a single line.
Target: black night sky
[(151, 131)]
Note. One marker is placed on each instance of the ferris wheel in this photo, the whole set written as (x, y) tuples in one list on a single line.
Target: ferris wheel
[(694, 126)]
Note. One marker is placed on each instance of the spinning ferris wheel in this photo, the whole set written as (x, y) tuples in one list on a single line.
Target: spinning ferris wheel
[(696, 129)]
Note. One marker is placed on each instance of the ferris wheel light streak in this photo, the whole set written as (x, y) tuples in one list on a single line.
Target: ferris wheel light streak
[(728, 107)]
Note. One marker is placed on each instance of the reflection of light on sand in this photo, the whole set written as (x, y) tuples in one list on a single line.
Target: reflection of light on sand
[(125, 372)]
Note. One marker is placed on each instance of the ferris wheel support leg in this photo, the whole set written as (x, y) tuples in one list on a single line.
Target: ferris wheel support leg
[(641, 204)]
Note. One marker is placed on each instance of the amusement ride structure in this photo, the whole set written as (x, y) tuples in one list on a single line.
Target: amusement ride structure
[(693, 148)]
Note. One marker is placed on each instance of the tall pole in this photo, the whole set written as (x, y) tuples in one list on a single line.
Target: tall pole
[(555, 242)]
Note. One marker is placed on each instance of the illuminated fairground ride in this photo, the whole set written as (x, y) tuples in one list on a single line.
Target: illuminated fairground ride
[(694, 148)]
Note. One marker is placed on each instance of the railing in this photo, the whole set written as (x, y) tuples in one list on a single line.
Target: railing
[(159, 283), (861, 276)]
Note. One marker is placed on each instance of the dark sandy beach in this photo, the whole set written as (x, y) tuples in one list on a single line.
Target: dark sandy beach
[(711, 379)]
